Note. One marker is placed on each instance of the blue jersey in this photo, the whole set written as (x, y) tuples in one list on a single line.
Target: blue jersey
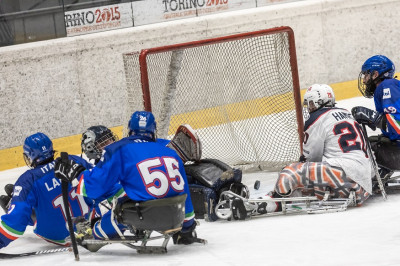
[(99, 205), (147, 170), (387, 101), (39, 190)]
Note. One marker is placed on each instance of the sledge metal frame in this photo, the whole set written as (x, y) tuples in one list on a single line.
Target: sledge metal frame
[(141, 248), (391, 184), (294, 205), (140, 237)]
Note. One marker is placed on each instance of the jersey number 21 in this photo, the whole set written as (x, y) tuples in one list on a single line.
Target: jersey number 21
[(351, 137)]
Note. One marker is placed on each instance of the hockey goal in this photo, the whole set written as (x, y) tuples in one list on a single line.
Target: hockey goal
[(239, 92)]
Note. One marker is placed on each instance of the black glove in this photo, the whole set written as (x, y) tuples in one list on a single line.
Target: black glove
[(5, 200), (186, 237), (367, 117), (67, 169)]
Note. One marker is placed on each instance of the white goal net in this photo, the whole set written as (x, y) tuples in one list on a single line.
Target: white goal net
[(239, 92)]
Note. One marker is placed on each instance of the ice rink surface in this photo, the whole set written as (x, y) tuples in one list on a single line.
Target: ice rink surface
[(368, 235)]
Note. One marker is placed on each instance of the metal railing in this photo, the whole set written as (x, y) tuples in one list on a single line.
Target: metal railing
[(36, 24)]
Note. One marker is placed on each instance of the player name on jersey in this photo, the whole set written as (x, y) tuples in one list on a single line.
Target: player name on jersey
[(341, 115), (53, 184), (48, 167)]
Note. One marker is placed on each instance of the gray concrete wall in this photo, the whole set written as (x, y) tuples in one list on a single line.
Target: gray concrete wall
[(63, 86)]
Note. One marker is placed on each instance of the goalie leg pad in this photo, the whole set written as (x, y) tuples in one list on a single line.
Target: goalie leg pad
[(204, 200), (213, 173), (207, 179)]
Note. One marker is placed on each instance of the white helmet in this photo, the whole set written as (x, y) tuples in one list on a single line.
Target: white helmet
[(318, 96)]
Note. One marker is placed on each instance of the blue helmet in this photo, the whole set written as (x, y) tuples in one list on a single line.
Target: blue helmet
[(143, 123), (38, 149), (379, 63)]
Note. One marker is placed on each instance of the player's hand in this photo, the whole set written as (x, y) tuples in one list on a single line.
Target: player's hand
[(302, 159), (366, 116), (5, 200), (67, 170)]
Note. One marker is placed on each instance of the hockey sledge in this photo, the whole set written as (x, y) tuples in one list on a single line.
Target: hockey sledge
[(390, 183), (226, 209), (139, 243), (147, 221)]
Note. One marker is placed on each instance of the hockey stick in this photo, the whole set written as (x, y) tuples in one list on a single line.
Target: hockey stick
[(39, 252), (374, 164), (64, 187)]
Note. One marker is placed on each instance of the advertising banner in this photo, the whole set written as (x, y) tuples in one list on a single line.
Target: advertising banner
[(139, 13), (98, 19), (147, 12), (270, 2)]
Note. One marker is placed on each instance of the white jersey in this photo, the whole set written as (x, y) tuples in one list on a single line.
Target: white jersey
[(333, 136)]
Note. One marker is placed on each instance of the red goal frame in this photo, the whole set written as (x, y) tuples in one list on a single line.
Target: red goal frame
[(293, 63)]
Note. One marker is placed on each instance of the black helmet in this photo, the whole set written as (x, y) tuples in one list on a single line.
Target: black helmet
[(94, 139)]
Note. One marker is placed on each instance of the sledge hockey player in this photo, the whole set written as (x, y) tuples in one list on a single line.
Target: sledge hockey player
[(334, 159), (376, 81), (93, 142), (39, 191), (207, 178), (146, 169)]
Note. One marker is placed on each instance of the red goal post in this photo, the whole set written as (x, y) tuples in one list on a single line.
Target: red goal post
[(239, 92)]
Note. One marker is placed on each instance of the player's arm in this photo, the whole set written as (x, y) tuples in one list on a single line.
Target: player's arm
[(189, 210), (14, 223), (373, 119), (188, 234), (391, 114), (101, 179), (314, 144), (369, 117), (90, 183)]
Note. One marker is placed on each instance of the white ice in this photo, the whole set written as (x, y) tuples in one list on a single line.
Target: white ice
[(368, 235)]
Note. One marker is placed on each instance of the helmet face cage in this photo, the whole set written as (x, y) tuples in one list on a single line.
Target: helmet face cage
[(367, 89), (379, 64), (37, 149), (94, 139), (306, 113), (316, 97), (143, 123)]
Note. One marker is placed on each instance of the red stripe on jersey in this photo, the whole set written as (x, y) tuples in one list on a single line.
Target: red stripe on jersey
[(6, 234), (80, 185), (393, 123)]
